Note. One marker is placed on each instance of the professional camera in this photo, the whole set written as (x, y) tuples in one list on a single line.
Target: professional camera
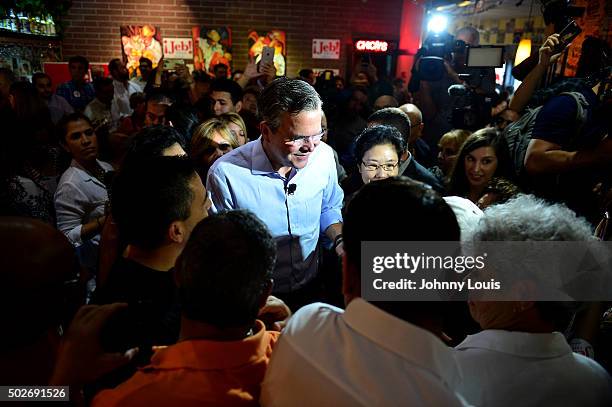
[(429, 59), (472, 110)]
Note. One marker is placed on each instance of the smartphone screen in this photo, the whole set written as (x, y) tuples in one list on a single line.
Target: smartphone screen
[(567, 35), (267, 55)]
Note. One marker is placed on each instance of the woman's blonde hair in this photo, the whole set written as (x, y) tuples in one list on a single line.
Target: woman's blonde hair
[(202, 138), (457, 137), (235, 118)]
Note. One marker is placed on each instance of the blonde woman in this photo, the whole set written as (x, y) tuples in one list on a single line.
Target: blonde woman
[(211, 140), (237, 126)]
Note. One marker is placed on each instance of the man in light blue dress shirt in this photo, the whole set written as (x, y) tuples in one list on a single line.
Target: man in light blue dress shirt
[(288, 178)]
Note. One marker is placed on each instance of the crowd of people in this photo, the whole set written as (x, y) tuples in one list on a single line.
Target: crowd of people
[(180, 239)]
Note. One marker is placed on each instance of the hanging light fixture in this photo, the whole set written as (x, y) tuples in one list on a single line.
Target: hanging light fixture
[(524, 48), (523, 51)]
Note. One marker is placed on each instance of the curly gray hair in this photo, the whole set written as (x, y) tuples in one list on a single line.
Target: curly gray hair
[(527, 217)]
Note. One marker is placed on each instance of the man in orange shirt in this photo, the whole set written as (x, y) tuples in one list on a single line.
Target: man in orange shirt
[(223, 350)]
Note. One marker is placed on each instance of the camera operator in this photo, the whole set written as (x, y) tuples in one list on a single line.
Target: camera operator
[(433, 96)]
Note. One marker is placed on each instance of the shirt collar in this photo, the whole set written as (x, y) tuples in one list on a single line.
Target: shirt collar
[(260, 164), (524, 344), (201, 354), (407, 340), (88, 176), (405, 164)]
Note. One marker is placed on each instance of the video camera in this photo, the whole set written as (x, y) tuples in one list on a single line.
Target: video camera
[(429, 59)]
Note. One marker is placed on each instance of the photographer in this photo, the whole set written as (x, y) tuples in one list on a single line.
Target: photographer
[(433, 96)]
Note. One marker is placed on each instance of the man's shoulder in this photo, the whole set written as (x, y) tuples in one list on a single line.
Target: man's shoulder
[(234, 160), (310, 318)]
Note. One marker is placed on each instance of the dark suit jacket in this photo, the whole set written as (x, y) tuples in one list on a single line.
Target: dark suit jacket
[(417, 172)]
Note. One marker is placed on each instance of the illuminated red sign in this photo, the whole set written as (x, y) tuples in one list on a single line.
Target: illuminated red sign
[(372, 45)]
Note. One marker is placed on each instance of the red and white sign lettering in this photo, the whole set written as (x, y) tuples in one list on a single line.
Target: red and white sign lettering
[(325, 49), (178, 48), (372, 45)]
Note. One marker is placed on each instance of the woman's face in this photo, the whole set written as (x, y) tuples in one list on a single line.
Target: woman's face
[(80, 141), (238, 133), (480, 166), (447, 155), (219, 146), (379, 162)]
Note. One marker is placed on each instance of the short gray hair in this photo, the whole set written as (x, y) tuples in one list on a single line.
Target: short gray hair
[(527, 217), (293, 96), (471, 31)]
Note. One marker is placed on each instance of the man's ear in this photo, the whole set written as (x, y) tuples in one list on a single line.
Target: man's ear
[(177, 232), (265, 130), (351, 283), (238, 106), (265, 293)]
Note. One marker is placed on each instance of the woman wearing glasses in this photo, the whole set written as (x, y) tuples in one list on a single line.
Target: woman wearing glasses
[(211, 140), (377, 150), (81, 194)]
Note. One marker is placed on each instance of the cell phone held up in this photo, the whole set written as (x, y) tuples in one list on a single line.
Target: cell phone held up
[(267, 55), (566, 36)]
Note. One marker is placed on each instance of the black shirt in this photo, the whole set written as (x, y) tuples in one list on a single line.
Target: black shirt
[(153, 308)]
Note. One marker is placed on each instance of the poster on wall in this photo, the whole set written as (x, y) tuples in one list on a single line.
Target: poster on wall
[(212, 46), (140, 41), (325, 49), (178, 48), (272, 38)]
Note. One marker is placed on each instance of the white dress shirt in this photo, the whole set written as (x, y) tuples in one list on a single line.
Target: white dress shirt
[(361, 357), (503, 368), (121, 101), (80, 198)]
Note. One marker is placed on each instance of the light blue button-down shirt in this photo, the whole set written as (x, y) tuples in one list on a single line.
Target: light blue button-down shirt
[(245, 179)]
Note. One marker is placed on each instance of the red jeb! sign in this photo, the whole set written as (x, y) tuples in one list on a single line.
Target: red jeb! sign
[(178, 48), (325, 49), (372, 46)]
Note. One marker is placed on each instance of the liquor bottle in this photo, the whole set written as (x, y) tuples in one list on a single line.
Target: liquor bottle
[(51, 23), (13, 21)]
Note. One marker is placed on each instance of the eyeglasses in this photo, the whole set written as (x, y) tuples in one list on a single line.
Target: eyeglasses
[(415, 125), (301, 140), (375, 167)]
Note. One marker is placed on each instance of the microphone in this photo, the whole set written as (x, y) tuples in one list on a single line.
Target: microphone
[(290, 189), (457, 90)]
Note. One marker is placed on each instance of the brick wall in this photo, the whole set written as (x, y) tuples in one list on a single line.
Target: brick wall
[(93, 25)]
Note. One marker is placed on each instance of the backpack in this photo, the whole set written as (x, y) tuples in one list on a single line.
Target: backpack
[(518, 134)]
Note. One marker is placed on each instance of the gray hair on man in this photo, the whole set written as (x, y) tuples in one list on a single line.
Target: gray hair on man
[(292, 96), (527, 217)]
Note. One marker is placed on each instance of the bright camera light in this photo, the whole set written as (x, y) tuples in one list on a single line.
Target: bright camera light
[(437, 23)]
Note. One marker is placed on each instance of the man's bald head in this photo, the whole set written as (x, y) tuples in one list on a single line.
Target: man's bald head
[(385, 101), (416, 121), (37, 261)]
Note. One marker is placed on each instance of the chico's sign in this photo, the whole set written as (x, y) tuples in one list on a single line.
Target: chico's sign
[(372, 46)]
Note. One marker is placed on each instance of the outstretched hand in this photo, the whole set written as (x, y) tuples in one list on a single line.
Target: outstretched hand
[(546, 51), (81, 358), (274, 314)]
